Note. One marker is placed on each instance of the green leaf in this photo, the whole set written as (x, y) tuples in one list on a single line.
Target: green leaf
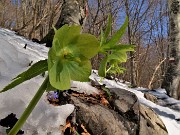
[(107, 91), (102, 68), (34, 70), (113, 61), (108, 28), (102, 40), (115, 53), (107, 31), (116, 70), (119, 56), (123, 48), (116, 37)]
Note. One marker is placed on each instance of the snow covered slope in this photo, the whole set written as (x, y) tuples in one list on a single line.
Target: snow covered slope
[(14, 58), (170, 117)]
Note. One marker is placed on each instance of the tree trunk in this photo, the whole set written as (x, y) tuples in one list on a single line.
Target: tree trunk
[(172, 78), (132, 57), (73, 12)]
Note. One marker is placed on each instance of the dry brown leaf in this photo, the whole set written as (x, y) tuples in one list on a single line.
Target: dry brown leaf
[(85, 131), (104, 101), (68, 124)]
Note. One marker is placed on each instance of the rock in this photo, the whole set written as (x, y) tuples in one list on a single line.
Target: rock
[(151, 97), (124, 116), (99, 119), (150, 123)]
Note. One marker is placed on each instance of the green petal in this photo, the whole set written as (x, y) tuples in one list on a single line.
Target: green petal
[(80, 72), (57, 46), (86, 44), (66, 34), (59, 76), (51, 58)]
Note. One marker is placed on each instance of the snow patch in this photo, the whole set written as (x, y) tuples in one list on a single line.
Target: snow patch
[(45, 118), (14, 59)]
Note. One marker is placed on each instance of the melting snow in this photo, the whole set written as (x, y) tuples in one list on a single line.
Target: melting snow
[(170, 117), (14, 59)]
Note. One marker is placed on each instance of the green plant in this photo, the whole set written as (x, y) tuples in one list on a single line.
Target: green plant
[(114, 52), (68, 59)]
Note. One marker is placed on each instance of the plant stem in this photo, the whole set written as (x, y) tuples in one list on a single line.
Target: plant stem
[(109, 69), (30, 108), (101, 79)]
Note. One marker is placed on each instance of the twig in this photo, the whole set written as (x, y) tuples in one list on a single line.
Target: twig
[(153, 76)]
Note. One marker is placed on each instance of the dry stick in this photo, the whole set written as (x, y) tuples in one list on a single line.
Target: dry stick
[(153, 76)]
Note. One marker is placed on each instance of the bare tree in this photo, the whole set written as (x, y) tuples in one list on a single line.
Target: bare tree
[(7, 13), (172, 78), (73, 12), (132, 57), (147, 29)]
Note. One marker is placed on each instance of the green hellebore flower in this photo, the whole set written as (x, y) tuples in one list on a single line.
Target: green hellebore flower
[(68, 59)]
